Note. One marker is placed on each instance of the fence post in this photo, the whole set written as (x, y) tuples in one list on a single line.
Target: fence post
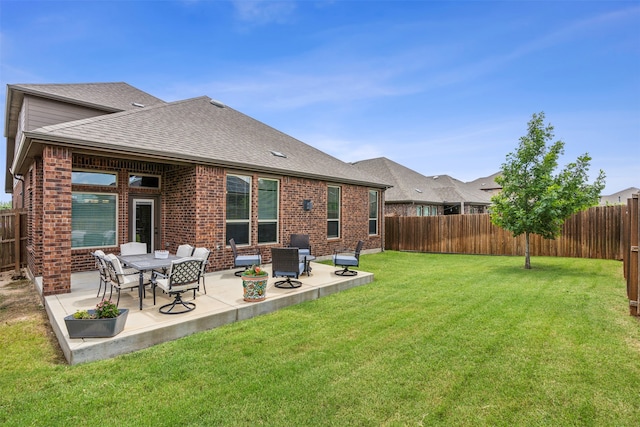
[(633, 261)]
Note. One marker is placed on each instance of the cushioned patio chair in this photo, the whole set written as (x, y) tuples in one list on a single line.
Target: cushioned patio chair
[(102, 271), (301, 241), (286, 262), (245, 261), (203, 254), (184, 251), (345, 259), (184, 275), (121, 279), (133, 248)]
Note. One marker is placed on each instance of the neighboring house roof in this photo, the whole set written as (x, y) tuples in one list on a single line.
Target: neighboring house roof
[(486, 183), (202, 131), (410, 186), (620, 197)]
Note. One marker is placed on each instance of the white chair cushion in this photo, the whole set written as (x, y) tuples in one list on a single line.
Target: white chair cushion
[(164, 285), (133, 248), (184, 251)]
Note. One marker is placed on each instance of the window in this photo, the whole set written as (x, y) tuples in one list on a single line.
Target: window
[(93, 220), (333, 211), (144, 181), (93, 178), (427, 210), (238, 208), (267, 210), (373, 212)]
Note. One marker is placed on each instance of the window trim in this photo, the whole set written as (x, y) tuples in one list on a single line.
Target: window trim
[(238, 221), (159, 187), (338, 219), (277, 218), (377, 217), (116, 222), (96, 172)]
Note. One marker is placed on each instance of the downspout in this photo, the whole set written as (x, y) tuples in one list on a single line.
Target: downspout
[(21, 179)]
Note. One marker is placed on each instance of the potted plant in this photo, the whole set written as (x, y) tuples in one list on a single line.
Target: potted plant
[(254, 283), (106, 321)]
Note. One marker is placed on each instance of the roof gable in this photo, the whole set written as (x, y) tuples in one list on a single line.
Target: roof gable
[(118, 96)]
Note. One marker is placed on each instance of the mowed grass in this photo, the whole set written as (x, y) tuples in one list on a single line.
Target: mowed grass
[(434, 340)]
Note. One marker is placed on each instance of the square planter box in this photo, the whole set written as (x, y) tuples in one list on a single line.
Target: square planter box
[(96, 328)]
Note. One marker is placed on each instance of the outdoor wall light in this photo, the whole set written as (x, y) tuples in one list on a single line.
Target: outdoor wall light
[(307, 205)]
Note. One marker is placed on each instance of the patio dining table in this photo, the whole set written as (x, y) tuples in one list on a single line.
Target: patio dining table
[(144, 263)]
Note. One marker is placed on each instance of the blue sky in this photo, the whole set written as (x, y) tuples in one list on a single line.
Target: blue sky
[(442, 87)]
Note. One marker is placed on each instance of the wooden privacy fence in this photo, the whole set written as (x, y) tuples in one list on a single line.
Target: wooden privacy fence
[(631, 260), (13, 238), (594, 233)]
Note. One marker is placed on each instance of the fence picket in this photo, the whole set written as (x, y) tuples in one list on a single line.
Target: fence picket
[(594, 233)]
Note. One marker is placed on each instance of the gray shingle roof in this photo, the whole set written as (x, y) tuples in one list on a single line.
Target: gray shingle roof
[(485, 183), (410, 186), (117, 96), (197, 131)]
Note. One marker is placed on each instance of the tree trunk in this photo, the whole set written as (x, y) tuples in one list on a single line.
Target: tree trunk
[(527, 260)]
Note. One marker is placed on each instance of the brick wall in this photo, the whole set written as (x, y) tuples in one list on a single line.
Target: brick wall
[(192, 208), (209, 194), (56, 220), (179, 206)]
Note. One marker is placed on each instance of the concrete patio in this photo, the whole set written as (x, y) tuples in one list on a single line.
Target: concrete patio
[(222, 304)]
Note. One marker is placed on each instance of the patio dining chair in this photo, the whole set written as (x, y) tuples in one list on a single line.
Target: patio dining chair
[(202, 254), (345, 259), (102, 271), (245, 261), (184, 251), (133, 248), (121, 279), (183, 276), (285, 262)]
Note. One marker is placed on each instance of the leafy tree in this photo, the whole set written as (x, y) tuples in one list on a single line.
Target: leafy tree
[(5, 205), (532, 199)]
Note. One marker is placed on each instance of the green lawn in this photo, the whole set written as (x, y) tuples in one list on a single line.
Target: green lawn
[(449, 340)]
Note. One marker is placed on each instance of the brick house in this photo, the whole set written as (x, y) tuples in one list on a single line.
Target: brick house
[(97, 165), (414, 194)]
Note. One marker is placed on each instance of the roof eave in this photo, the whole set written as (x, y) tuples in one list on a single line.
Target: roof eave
[(38, 138)]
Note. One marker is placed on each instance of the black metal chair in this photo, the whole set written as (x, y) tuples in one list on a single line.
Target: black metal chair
[(102, 270), (285, 262), (121, 278), (203, 254), (184, 275), (245, 261), (345, 259)]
